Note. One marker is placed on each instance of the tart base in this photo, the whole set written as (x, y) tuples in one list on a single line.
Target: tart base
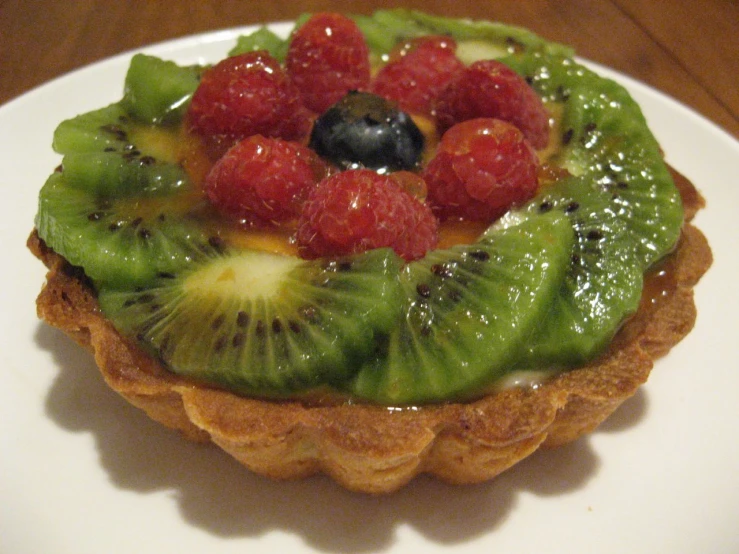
[(377, 449)]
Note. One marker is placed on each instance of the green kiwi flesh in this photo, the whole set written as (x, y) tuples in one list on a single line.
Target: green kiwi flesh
[(264, 324), (467, 313), (601, 286), (621, 200), (113, 207), (261, 39), (116, 242), (101, 154), (158, 91), (385, 28), (607, 144)]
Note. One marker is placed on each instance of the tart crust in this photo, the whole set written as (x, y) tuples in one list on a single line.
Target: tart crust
[(376, 449)]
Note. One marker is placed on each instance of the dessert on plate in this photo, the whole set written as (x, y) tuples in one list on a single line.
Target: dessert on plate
[(408, 245)]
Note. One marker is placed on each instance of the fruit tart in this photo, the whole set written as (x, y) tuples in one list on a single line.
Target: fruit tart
[(380, 246)]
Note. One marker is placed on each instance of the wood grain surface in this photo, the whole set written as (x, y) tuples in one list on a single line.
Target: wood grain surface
[(687, 49)]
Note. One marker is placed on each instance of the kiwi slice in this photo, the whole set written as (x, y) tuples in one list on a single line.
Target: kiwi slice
[(466, 313), (261, 39), (111, 174), (263, 324), (607, 144), (120, 205), (385, 28), (104, 129), (601, 287), (158, 91), (106, 152), (119, 241)]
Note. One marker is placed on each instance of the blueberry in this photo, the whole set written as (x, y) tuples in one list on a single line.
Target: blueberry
[(366, 130)]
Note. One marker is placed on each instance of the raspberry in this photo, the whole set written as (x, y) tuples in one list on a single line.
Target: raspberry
[(489, 88), (263, 179), (417, 72), (246, 95), (357, 210), (328, 57), (482, 167)]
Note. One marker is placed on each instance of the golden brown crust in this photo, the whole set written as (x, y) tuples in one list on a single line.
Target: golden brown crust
[(377, 449)]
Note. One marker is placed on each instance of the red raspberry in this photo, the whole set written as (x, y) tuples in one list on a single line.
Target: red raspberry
[(418, 72), (482, 168), (327, 58), (246, 95), (489, 88), (357, 210), (263, 179)]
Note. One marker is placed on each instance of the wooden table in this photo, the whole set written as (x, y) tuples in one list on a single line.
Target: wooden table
[(684, 48)]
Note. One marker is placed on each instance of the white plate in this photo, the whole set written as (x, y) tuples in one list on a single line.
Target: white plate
[(83, 472)]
